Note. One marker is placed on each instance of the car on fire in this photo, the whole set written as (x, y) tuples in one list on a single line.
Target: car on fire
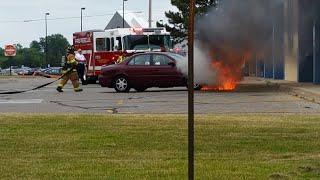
[(145, 70)]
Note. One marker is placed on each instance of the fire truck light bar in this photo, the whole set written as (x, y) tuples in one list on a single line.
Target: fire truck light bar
[(137, 30)]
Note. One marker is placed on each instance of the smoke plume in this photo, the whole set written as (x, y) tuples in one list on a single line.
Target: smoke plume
[(230, 35)]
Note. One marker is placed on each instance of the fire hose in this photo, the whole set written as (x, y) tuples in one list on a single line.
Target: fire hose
[(38, 87)]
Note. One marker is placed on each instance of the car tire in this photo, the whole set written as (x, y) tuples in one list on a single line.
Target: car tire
[(140, 89), (121, 84), (197, 87)]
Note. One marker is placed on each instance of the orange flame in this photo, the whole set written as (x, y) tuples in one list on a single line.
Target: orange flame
[(229, 69)]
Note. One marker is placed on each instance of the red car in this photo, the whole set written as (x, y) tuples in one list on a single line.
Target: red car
[(142, 71)]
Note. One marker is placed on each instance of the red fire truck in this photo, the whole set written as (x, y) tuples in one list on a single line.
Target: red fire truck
[(104, 47)]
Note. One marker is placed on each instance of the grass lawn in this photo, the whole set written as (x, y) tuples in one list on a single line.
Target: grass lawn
[(155, 147)]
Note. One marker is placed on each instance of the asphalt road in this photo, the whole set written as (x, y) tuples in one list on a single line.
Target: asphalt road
[(95, 99)]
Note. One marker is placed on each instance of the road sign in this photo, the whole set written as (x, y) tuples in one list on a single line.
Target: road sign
[(10, 50)]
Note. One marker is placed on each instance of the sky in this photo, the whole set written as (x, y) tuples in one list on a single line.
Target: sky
[(15, 16)]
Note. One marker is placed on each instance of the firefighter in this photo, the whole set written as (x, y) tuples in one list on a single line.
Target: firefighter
[(70, 72), (120, 59)]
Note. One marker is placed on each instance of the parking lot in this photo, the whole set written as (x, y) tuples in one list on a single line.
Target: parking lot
[(95, 99)]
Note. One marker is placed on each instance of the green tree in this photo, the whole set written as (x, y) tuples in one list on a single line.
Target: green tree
[(57, 45), (178, 21), (35, 45), (31, 57), (19, 47), (2, 58)]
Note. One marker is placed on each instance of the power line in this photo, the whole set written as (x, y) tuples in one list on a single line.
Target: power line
[(61, 18)]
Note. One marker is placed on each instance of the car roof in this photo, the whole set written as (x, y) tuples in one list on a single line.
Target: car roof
[(156, 52), (153, 52)]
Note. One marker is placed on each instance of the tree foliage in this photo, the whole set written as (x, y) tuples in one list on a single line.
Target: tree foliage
[(178, 21), (57, 45)]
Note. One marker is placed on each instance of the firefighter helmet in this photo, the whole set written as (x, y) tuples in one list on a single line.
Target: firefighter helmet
[(70, 50)]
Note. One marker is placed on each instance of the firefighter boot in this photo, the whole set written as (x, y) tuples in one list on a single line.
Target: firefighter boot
[(78, 90), (59, 89)]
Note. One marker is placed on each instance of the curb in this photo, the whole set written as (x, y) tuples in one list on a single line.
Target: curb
[(301, 93)]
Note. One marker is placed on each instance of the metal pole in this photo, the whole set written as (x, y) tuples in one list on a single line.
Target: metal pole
[(123, 13), (81, 16), (273, 50), (191, 91), (46, 46), (315, 80), (81, 21), (255, 55), (150, 13)]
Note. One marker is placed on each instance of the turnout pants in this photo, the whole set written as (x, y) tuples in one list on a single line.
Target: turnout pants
[(80, 69), (73, 76)]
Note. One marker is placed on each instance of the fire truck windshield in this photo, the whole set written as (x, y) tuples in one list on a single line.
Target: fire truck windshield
[(144, 42)]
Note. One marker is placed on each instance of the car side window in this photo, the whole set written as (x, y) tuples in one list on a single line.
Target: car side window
[(161, 60), (142, 60), (131, 62)]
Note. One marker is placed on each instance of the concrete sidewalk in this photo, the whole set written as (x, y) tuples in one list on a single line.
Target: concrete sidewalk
[(307, 91)]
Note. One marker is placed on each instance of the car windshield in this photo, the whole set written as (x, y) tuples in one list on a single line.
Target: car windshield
[(138, 42), (144, 42)]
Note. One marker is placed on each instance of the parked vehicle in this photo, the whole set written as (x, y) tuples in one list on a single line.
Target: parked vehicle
[(24, 71), (7, 71), (49, 72), (142, 71)]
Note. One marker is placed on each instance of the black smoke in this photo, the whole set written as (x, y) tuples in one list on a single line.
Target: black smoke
[(239, 24)]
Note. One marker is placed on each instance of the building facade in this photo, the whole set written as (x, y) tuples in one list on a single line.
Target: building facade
[(294, 51)]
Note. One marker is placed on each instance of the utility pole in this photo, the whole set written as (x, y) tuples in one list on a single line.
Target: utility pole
[(191, 90), (81, 16), (123, 12), (315, 53), (273, 49), (46, 45), (150, 13)]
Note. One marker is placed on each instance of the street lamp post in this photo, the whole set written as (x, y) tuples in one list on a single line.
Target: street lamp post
[(123, 12), (46, 45), (191, 91), (81, 16), (150, 13)]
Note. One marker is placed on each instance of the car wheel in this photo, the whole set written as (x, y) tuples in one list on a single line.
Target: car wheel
[(197, 87), (121, 84), (140, 89)]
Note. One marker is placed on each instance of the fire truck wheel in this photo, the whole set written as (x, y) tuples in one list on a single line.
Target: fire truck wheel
[(140, 89), (121, 84), (91, 80)]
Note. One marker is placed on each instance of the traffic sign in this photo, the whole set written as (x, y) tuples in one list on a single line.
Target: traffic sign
[(10, 50)]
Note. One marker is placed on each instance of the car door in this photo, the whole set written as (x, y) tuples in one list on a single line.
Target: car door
[(140, 72), (166, 71)]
